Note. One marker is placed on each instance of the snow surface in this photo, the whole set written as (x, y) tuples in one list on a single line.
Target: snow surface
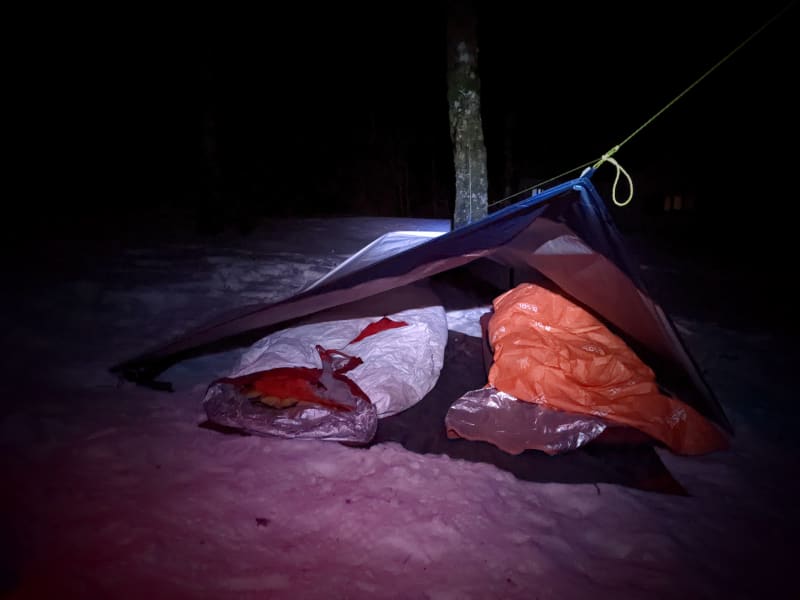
[(116, 491)]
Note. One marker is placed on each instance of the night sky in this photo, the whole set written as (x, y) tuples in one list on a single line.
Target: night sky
[(324, 110)]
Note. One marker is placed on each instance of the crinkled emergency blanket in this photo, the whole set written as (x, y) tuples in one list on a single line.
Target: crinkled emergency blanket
[(553, 353), (333, 379)]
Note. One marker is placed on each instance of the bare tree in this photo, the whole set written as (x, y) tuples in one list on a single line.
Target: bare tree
[(466, 127)]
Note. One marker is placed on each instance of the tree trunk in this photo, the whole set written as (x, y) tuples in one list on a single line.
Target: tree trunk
[(210, 202), (466, 128)]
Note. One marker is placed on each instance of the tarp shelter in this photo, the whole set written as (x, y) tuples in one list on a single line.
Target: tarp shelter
[(564, 235)]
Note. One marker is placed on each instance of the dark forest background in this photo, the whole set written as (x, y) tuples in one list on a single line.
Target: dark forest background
[(335, 109)]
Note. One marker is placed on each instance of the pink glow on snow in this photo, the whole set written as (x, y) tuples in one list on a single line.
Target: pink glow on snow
[(119, 492)]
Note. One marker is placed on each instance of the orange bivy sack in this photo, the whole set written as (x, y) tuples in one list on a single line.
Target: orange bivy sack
[(550, 351)]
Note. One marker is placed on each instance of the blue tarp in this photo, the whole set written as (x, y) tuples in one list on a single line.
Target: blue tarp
[(565, 234)]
